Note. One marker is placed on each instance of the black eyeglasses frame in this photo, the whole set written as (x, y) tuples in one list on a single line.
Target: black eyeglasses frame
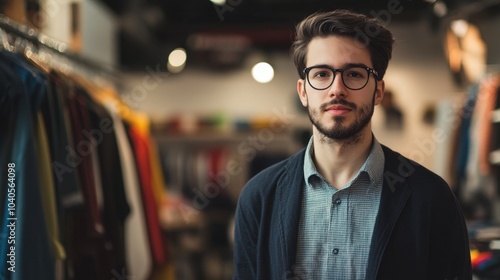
[(341, 71)]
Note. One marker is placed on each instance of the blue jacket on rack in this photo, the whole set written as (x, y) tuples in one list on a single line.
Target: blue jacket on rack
[(420, 232)]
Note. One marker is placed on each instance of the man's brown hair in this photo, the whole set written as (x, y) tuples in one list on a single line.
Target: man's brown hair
[(367, 33)]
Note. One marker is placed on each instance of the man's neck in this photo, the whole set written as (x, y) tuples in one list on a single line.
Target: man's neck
[(338, 161)]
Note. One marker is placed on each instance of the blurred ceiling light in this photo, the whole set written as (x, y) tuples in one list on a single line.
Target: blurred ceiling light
[(440, 9), (177, 60), (177, 57), (219, 2), (263, 72), (459, 27)]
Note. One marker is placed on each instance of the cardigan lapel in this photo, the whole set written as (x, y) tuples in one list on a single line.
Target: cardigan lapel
[(288, 203), (395, 193)]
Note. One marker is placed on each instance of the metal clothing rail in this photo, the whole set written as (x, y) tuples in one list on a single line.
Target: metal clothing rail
[(60, 48)]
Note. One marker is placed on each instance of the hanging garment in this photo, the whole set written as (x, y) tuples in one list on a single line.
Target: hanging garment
[(140, 138), (80, 153), (47, 189), (487, 104), (33, 253), (57, 122), (141, 150), (138, 253), (116, 207), (161, 269), (477, 186), (494, 156)]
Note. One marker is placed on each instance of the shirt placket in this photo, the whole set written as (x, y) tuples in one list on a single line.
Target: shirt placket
[(338, 231)]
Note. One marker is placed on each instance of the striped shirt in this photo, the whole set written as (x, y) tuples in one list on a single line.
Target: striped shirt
[(336, 226)]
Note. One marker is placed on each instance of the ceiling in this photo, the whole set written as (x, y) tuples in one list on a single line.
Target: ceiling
[(220, 37)]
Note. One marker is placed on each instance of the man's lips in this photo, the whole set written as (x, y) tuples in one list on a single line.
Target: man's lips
[(338, 110)]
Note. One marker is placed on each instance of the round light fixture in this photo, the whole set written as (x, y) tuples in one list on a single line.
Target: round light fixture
[(263, 72)]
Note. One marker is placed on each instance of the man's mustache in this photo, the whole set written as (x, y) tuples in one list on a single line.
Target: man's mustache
[(339, 102)]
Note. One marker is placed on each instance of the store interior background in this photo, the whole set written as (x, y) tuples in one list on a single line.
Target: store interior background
[(212, 109)]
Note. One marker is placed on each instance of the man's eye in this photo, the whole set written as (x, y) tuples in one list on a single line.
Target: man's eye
[(322, 74), (354, 74)]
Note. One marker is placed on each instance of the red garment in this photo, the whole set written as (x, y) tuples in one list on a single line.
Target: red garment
[(141, 150), (80, 121), (216, 165)]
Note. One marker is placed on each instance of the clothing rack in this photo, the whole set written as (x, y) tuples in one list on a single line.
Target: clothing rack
[(60, 48)]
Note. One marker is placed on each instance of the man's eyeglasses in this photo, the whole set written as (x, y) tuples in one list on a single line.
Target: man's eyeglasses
[(353, 77)]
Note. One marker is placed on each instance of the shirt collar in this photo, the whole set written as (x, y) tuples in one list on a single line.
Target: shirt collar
[(309, 167), (373, 166)]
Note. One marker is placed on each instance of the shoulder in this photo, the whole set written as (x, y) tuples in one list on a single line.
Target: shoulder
[(421, 180), (428, 192), (264, 183)]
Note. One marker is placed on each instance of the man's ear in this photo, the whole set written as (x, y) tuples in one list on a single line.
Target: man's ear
[(379, 92), (301, 90)]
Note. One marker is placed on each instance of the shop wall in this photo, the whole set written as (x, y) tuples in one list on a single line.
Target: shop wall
[(98, 33), (199, 91), (88, 27), (489, 32)]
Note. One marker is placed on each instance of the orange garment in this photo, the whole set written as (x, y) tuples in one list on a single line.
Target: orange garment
[(486, 105)]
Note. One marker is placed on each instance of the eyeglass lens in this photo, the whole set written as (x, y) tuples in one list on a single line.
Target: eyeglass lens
[(354, 77)]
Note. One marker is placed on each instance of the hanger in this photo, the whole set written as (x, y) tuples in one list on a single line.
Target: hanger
[(4, 39), (53, 53)]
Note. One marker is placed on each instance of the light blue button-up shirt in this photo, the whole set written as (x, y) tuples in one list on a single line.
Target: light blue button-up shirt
[(336, 226)]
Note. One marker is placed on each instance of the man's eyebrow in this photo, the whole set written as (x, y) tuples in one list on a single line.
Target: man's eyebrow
[(343, 67), (355, 64)]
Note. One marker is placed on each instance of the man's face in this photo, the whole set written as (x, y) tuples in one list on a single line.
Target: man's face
[(338, 112)]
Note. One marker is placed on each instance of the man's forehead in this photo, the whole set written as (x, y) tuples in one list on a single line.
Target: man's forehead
[(337, 49)]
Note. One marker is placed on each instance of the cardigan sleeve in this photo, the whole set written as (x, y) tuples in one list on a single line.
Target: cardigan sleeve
[(449, 241), (246, 234), (462, 263)]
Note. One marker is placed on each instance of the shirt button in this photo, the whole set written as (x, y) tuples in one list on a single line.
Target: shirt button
[(335, 251), (337, 201)]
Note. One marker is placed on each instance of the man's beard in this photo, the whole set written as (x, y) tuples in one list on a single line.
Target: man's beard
[(340, 132)]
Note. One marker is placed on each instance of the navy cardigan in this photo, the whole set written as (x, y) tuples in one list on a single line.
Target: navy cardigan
[(420, 232)]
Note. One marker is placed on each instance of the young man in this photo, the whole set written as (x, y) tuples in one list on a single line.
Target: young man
[(347, 207)]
